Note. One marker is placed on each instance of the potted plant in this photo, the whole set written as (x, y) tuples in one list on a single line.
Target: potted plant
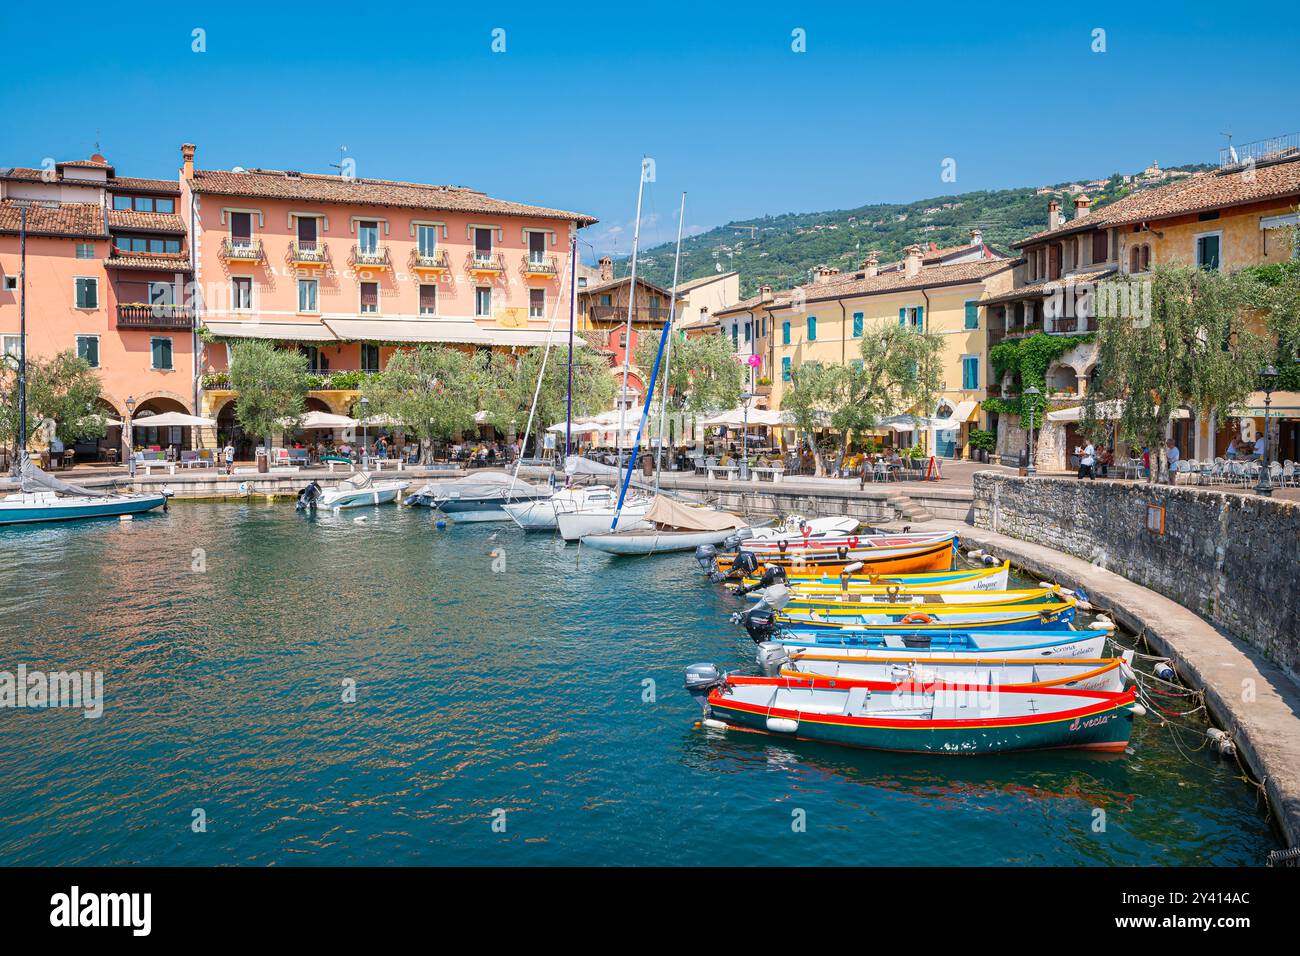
[(982, 442)]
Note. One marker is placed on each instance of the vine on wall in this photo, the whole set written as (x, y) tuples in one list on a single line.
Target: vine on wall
[(1028, 358)]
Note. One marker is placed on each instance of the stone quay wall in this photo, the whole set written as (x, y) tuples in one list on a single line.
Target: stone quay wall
[(1232, 558)]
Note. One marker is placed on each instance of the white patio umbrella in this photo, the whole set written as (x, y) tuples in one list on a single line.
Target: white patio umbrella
[(171, 420), (319, 419)]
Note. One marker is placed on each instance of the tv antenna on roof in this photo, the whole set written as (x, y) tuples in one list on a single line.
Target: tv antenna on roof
[(1228, 150), (342, 163)]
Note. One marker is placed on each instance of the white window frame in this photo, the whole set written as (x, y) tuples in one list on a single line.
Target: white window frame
[(11, 345), (360, 304), (98, 356), (85, 308), (477, 313), (301, 310), (252, 286), (541, 314), (433, 231), (1196, 247), (419, 306), (90, 246)]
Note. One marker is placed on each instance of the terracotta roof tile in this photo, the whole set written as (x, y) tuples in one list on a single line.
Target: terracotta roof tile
[(703, 280), (133, 184), (779, 298), (1035, 289), (146, 221), (1202, 193), (954, 273), (276, 184), (81, 220), (159, 262)]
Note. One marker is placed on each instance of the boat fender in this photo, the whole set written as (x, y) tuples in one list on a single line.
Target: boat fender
[(854, 568), (440, 525), (1164, 670), (977, 554), (1137, 710), (1221, 741), (918, 617), (1101, 626), (125, 518), (713, 724), (1046, 584), (782, 725), (990, 560)]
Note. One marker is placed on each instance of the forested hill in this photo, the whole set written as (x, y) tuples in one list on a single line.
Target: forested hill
[(780, 250)]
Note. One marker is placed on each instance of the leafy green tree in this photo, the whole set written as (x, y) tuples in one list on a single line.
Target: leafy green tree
[(593, 389), (63, 388), (703, 375), (808, 403), (272, 387), (433, 390), (1196, 350)]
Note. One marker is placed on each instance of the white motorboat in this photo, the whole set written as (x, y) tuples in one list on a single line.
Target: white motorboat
[(670, 526), (481, 496), (540, 514), (596, 515), (792, 529), (360, 489)]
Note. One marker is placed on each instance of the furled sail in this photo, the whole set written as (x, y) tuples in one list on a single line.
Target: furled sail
[(670, 514), (34, 479)]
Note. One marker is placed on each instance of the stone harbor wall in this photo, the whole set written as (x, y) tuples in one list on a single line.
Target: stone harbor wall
[(1232, 558)]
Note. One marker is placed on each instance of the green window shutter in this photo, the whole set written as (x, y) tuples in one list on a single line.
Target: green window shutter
[(162, 353), (902, 317), (785, 369), (87, 291), (812, 328), (785, 333), (857, 325), (920, 316), (972, 314)]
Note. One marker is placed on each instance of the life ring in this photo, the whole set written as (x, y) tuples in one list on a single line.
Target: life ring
[(853, 541), (918, 617)]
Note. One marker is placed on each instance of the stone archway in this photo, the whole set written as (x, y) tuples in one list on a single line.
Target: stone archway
[(1063, 379), (149, 438)]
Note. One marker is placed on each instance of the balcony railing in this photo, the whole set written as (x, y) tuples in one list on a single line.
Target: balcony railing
[(1072, 326), (309, 252), (609, 313), (539, 266), (436, 261), (374, 258), (142, 316), (242, 250), (478, 262)]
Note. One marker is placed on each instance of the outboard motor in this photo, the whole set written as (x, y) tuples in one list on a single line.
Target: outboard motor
[(704, 557), (772, 574), (745, 562), (309, 497), (771, 657), (700, 680), (760, 622)]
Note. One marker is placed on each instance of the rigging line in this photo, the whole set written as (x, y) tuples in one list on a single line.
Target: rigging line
[(541, 374)]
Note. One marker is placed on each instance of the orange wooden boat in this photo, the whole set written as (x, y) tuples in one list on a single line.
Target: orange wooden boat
[(931, 556)]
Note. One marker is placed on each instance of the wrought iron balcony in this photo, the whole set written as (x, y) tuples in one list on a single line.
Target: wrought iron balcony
[(143, 316), (309, 252), (373, 258), (436, 261), (242, 250), (1072, 326), (492, 262), (543, 266)]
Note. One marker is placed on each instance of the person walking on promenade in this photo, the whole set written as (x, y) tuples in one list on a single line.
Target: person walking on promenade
[(1086, 462), (228, 453)]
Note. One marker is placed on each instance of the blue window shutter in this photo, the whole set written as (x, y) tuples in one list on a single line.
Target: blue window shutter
[(812, 328), (920, 316), (857, 325), (785, 369), (972, 314), (902, 317), (785, 333)]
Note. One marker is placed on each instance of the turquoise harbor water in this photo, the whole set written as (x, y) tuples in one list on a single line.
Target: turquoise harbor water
[(476, 692)]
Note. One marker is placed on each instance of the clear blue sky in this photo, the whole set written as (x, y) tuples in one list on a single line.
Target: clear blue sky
[(885, 92)]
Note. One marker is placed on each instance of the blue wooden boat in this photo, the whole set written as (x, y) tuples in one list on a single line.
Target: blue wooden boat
[(1057, 615), (991, 643)]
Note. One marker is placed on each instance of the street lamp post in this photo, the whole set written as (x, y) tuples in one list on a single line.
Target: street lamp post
[(1268, 382), (745, 399), (1032, 394), (365, 444), (130, 442)]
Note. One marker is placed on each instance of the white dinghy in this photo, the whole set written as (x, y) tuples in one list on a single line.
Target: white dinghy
[(671, 527)]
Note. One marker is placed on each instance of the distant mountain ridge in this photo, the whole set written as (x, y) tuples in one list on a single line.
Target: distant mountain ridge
[(782, 250)]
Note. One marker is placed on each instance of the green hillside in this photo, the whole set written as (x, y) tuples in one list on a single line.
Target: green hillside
[(780, 250)]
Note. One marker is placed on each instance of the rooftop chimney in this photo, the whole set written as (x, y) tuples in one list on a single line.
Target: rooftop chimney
[(823, 273), (871, 266), (765, 293), (1053, 214), (976, 237), (187, 156), (912, 260), (606, 268), (1081, 204)]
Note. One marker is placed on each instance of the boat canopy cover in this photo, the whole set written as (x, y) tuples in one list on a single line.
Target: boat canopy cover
[(33, 478), (356, 481), (576, 465), (670, 514)]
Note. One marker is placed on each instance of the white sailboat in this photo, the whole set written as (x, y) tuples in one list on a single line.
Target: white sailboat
[(46, 498), (669, 526)]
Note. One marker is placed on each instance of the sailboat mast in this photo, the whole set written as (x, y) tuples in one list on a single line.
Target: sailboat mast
[(22, 337), (668, 356), (573, 308), (631, 304)]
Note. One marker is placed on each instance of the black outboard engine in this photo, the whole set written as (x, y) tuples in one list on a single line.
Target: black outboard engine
[(760, 622), (700, 680), (309, 497), (743, 565), (772, 574), (704, 557)]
